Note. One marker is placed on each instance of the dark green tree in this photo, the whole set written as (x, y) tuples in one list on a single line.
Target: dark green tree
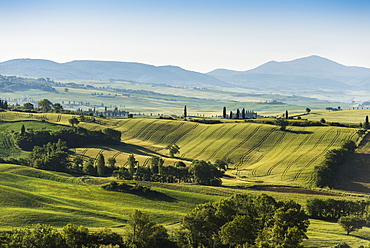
[(112, 162), (45, 105), (100, 165), (131, 161), (39, 235), (23, 129), (224, 112), (351, 223), (231, 115), (144, 233), (28, 106), (76, 236), (281, 123), (286, 114), (237, 114), (308, 110), (205, 173), (89, 168), (57, 107), (113, 134), (366, 124), (185, 112), (243, 113), (74, 121)]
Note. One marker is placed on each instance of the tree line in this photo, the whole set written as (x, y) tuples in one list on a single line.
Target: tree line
[(350, 215), (73, 136), (200, 171), (324, 174), (242, 220)]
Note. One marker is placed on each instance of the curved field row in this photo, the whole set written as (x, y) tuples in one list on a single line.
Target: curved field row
[(301, 155), (181, 135), (211, 138), (192, 147), (315, 158), (142, 129), (256, 146), (279, 157), (165, 134), (260, 155), (235, 148), (297, 157), (221, 137)]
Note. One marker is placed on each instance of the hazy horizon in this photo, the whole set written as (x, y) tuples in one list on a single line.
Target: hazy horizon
[(195, 35)]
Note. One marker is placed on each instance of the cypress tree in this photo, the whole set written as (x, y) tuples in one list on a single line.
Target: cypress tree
[(224, 113), (286, 114), (23, 129), (100, 165), (185, 112), (243, 113), (231, 114), (237, 113), (367, 122)]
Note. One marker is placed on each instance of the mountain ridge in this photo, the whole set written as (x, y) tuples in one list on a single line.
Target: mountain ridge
[(307, 76)]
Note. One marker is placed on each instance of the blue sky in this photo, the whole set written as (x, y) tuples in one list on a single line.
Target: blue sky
[(195, 35)]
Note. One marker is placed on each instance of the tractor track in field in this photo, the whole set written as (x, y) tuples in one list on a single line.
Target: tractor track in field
[(204, 148), (222, 135), (97, 155), (148, 137), (275, 143), (130, 127), (291, 163), (310, 178), (184, 133), (337, 135), (194, 146), (116, 154), (141, 130), (260, 142), (169, 132), (243, 141), (146, 161)]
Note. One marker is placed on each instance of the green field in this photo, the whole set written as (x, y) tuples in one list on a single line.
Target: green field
[(261, 155)]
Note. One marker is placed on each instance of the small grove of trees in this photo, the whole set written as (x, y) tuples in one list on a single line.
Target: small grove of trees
[(332, 209), (324, 173), (71, 236), (245, 221), (52, 156), (73, 137), (200, 172)]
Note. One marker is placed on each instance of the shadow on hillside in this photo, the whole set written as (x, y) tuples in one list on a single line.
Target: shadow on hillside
[(159, 196), (298, 132), (353, 175)]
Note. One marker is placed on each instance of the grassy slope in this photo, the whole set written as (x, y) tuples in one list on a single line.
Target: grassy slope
[(29, 196), (260, 152)]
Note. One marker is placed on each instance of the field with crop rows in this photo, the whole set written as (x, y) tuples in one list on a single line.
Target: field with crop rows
[(259, 152)]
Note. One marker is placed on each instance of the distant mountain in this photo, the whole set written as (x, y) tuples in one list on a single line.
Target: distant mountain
[(313, 71), (95, 70), (310, 76)]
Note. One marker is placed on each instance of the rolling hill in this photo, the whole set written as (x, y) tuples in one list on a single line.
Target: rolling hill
[(259, 152)]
